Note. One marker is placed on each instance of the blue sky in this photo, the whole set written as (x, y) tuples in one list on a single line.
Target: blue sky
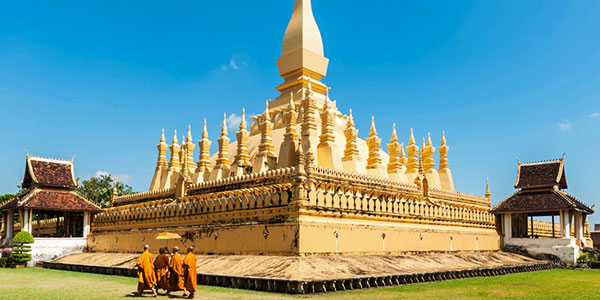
[(504, 79)]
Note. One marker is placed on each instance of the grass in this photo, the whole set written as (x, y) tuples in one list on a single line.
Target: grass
[(35, 283)]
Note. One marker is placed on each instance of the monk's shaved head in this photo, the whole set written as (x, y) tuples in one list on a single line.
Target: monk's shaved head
[(190, 249), (175, 249), (146, 247)]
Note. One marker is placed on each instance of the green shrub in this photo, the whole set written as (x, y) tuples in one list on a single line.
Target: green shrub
[(583, 257), (6, 262), (22, 255), (23, 237)]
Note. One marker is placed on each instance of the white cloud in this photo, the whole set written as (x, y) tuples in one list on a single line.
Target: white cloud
[(233, 65), (126, 178), (595, 115), (101, 173), (564, 126), (233, 121)]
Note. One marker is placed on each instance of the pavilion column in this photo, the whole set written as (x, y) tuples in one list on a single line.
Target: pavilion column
[(553, 234), (507, 226), (579, 226), (10, 225), (67, 224), (531, 226), (565, 224), (26, 220), (86, 224)]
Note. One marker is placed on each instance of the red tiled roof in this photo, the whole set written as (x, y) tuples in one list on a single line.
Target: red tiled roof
[(538, 201), (47, 172), (52, 199), (542, 174), (9, 204)]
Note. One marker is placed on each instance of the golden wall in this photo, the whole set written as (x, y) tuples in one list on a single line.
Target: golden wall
[(275, 213)]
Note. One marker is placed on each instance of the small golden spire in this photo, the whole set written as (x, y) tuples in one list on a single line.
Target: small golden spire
[(374, 161), (115, 192), (189, 150), (443, 143), (402, 155), (443, 151), (373, 130), (224, 126), (243, 121), (350, 119), (222, 161), (203, 163), (487, 188), (267, 115), (412, 153), (394, 166), (189, 134), (429, 140), (162, 151), (175, 140), (292, 105), (174, 162), (204, 131), (394, 137)]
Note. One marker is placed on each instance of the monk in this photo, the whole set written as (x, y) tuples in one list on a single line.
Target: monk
[(161, 263), (175, 272), (145, 270), (189, 271)]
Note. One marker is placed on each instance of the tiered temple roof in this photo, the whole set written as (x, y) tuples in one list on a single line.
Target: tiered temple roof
[(540, 187), (49, 185)]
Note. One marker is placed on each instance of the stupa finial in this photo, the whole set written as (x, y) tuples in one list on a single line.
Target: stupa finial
[(267, 115), (175, 141), (302, 48), (224, 126), (189, 134), (243, 120), (292, 105), (373, 130), (394, 137), (487, 188), (443, 143), (204, 131), (412, 141)]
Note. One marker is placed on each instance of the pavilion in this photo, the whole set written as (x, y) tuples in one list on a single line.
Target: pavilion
[(540, 194), (49, 208)]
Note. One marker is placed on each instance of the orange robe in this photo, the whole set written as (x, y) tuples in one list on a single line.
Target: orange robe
[(176, 273), (161, 263), (189, 263), (145, 270)]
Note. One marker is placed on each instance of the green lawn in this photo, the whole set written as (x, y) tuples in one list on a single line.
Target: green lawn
[(35, 283)]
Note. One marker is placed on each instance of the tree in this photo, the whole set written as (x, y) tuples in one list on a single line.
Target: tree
[(6, 197), (99, 190), (22, 255)]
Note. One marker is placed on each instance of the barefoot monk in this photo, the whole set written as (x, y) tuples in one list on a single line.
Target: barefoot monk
[(145, 270), (161, 263), (175, 272), (189, 270)]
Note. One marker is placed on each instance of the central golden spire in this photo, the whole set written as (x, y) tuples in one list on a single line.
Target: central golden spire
[(302, 57)]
